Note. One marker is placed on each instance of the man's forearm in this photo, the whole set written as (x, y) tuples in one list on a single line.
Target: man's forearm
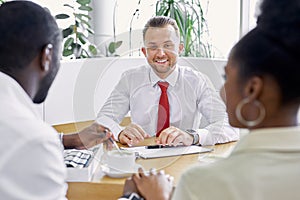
[(71, 141)]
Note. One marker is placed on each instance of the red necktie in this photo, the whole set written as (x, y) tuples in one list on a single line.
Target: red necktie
[(163, 120)]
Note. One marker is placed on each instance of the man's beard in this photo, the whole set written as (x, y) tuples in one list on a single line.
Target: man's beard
[(45, 84)]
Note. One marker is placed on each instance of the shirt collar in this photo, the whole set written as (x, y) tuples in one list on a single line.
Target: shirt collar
[(171, 79), (14, 90), (270, 138)]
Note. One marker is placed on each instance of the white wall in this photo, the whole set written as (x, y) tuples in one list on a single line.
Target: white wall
[(82, 86)]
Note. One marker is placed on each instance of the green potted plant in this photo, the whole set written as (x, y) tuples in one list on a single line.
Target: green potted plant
[(191, 22), (76, 42)]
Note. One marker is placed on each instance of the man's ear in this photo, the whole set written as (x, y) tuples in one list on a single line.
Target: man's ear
[(46, 57), (254, 87), (181, 47), (144, 51)]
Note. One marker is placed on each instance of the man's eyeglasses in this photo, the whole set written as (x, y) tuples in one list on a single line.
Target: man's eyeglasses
[(164, 47)]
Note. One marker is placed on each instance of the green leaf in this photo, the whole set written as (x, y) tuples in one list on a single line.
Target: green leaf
[(85, 54), (112, 47), (68, 42), (83, 2), (82, 38), (85, 8), (67, 32), (77, 23), (67, 52), (93, 49), (81, 16), (85, 22), (68, 5), (118, 44), (90, 31), (180, 22), (61, 16)]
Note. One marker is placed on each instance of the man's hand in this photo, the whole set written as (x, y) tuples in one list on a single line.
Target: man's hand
[(156, 186), (174, 136), (88, 137), (132, 134)]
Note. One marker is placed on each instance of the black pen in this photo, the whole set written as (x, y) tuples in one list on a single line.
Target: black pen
[(159, 146)]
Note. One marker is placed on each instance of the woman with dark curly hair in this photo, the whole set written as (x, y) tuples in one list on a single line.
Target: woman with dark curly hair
[(262, 94)]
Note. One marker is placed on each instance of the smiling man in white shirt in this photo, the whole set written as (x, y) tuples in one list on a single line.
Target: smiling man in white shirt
[(191, 96)]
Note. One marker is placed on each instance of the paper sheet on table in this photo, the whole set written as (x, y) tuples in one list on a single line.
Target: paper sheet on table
[(145, 153)]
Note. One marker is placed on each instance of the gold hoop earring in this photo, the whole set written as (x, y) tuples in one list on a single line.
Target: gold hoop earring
[(242, 120)]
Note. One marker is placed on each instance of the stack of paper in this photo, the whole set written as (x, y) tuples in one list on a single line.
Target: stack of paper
[(145, 153)]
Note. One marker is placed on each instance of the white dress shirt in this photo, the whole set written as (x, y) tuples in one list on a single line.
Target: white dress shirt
[(191, 95), (264, 165), (31, 161)]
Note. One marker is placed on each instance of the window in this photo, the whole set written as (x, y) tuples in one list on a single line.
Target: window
[(253, 12), (56, 7), (223, 19)]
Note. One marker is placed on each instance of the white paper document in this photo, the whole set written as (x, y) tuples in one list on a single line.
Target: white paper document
[(146, 153)]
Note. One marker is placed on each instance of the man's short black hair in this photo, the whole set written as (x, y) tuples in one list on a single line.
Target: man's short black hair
[(25, 29)]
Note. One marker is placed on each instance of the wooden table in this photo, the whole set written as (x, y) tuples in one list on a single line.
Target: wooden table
[(107, 188)]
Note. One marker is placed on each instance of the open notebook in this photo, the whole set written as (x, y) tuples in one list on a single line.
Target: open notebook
[(145, 153)]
